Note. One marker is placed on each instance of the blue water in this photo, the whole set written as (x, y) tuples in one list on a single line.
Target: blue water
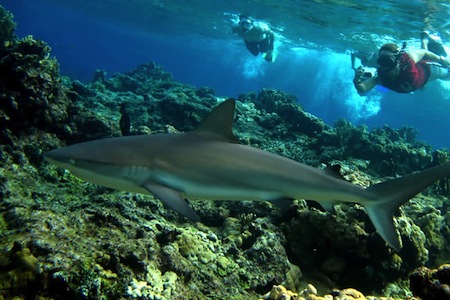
[(193, 41)]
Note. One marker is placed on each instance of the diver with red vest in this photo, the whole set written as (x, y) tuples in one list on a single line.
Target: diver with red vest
[(404, 71)]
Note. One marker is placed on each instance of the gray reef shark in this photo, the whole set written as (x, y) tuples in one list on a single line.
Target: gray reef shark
[(210, 163)]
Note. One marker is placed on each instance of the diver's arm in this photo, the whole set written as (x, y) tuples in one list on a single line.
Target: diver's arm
[(419, 54), (428, 55), (353, 58), (271, 39), (424, 44), (363, 86)]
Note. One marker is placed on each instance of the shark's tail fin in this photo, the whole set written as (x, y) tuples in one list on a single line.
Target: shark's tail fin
[(393, 193)]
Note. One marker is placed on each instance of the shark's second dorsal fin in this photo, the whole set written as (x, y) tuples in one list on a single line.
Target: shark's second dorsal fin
[(219, 122)]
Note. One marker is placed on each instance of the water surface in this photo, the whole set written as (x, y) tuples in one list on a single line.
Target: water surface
[(192, 40)]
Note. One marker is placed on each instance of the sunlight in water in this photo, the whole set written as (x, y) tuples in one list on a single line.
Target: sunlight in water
[(335, 77), (445, 89), (363, 107), (253, 67)]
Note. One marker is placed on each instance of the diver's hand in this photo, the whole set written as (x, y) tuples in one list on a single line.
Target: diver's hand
[(359, 73)]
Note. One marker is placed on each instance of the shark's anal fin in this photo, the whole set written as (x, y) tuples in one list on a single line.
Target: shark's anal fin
[(172, 199)]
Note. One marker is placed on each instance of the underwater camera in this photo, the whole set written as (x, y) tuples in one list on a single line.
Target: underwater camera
[(367, 74)]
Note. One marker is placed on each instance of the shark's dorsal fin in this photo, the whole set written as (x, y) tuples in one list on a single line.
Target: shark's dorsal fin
[(219, 122)]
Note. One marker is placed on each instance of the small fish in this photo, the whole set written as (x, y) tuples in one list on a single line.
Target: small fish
[(210, 163), (124, 123)]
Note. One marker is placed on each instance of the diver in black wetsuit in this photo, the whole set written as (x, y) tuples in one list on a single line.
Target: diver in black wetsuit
[(257, 36)]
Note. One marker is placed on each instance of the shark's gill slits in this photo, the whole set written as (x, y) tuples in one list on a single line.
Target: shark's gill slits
[(137, 173)]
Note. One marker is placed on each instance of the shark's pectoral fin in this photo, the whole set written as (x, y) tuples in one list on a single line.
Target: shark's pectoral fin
[(172, 199)]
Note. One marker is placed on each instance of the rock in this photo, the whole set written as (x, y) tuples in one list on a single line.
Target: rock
[(431, 284)]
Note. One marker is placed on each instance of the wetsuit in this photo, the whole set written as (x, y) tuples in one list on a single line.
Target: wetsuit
[(263, 46), (412, 76)]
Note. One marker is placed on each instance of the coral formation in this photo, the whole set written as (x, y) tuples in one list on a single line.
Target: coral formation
[(431, 284), (65, 239), (32, 80), (7, 27), (19, 271), (279, 292)]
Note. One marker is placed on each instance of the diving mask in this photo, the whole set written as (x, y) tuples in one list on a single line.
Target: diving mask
[(388, 59), (246, 24)]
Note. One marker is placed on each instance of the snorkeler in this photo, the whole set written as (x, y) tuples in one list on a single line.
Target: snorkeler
[(429, 41), (403, 71), (257, 36)]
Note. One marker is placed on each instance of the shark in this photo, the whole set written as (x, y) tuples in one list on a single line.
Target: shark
[(210, 163)]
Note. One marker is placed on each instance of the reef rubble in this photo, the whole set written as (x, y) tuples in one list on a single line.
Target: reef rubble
[(62, 238), (279, 292)]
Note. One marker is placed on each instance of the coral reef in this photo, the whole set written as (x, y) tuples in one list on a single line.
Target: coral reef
[(335, 245), (431, 284), (62, 238), (276, 106), (20, 271), (32, 80), (390, 152), (33, 96), (279, 292), (7, 27)]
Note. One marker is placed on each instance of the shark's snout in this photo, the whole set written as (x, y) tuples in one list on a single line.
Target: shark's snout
[(58, 157), (53, 155)]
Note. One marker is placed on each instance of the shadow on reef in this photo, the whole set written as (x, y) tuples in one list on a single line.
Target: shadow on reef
[(64, 238)]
